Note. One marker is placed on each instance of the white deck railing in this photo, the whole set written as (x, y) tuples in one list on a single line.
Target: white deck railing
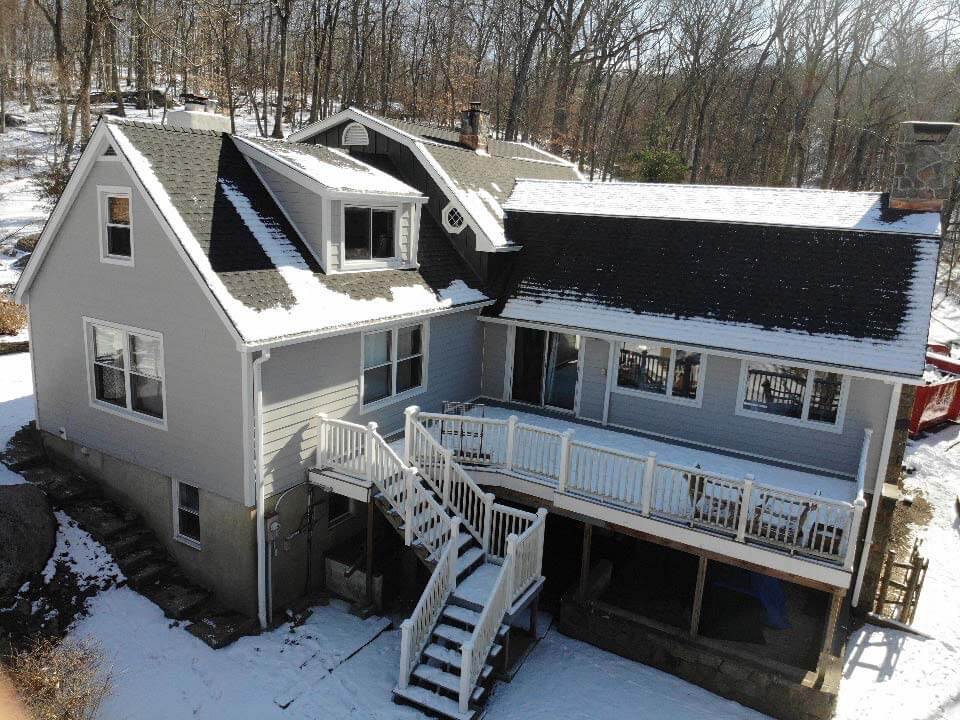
[(741, 509), (411, 486)]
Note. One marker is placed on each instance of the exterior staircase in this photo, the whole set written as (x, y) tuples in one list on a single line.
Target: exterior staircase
[(485, 560)]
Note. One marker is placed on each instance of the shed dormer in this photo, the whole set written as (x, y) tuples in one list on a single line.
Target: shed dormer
[(352, 216)]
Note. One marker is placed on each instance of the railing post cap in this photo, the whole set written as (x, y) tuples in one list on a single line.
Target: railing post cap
[(455, 523), (541, 512), (748, 477), (411, 410), (490, 496), (567, 434), (372, 426), (323, 416), (406, 624), (860, 502)]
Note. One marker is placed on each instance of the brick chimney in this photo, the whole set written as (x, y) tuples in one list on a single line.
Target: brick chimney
[(926, 165), (474, 127)]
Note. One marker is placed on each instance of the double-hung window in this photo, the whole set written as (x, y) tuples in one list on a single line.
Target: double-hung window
[(368, 234), (660, 371), (393, 362), (126, 367), (116, 242), (792, 394), (186, 515)]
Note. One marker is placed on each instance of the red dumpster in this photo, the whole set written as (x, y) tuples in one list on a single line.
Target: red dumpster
[(938, 401)]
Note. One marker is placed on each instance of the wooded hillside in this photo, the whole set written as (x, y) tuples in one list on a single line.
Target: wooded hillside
[(781, 92)]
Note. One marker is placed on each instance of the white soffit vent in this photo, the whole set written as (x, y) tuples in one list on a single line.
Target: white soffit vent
[(355, 134), (453, 218)]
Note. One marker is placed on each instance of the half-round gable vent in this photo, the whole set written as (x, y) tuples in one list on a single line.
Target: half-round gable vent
[(355, 134)]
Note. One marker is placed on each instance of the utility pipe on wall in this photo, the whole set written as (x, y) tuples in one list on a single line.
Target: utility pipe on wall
[(260, 489)]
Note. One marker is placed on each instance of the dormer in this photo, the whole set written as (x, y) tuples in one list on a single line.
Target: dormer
[(353, 217)]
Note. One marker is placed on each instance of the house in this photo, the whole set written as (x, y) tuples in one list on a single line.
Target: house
[(666, 413)]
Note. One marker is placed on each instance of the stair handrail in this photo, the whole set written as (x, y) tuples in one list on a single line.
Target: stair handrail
[(474, 652), (415, 630)]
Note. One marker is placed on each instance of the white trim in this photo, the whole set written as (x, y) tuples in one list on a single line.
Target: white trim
[(394, 361), (835, 427), (713, 350), (33, 368), (390, 263), (447, 225), (126, 412), (510, 349), (667, 396), (104, 193), (888, 431), (249, 455), (611, 380), (581, 359), (177, 535)]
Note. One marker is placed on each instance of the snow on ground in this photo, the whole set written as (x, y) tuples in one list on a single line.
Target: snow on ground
[(16, 403), (892, 674)]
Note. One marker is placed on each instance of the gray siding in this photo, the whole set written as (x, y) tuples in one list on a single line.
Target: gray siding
[(593, 385), (203, 444), (302, 206), (494, 359), (716, 422), (300, 381)]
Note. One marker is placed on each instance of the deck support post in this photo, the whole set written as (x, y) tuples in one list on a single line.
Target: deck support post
[(833, 612), (370, 519), (698, 596), (585, 560), (744, 508)]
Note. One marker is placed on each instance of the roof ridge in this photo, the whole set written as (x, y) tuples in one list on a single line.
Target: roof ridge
[(156, 125), (702, 185)]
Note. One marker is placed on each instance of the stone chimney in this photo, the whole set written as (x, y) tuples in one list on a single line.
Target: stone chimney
[(474, 127), (926, 165)]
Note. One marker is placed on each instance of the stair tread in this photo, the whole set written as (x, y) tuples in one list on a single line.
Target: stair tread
[(476, 588), (451, 633), (449, 656), (462, 614), (440, 704), (468, 558), (447, 680)]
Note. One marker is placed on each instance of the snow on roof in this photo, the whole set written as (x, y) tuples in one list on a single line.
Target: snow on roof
[(332, 168), (800, 207), (306, 314)]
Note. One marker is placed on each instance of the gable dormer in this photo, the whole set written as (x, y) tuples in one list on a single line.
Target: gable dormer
[(353, 217)]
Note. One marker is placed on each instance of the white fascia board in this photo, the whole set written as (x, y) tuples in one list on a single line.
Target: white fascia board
[(366, 326), (77, 178), (252, 151), (713, 350), (417, 147)]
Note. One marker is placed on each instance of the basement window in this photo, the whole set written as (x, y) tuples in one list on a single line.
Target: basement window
[(792, 394), (126, 371), (660, 372), (186, 516), (368, 234), (393, 363), (116, 240)]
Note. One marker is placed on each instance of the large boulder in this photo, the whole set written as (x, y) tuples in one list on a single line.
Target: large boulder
[(28, 534)]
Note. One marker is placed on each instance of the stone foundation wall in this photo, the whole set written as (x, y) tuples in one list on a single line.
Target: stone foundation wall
[(801, 696), (227, 562)]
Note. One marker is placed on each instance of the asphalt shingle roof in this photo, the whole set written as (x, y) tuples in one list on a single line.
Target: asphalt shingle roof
[(193, 167)]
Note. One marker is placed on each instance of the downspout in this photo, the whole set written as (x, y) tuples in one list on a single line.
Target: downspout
[(877, 488), (260, 492)]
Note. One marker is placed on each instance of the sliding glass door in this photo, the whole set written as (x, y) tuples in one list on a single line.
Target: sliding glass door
[(546, 368)]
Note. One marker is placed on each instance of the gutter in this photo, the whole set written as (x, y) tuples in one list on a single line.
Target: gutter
[(877, 489), (260, 492)]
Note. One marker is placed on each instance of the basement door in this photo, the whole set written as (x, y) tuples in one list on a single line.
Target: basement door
[(546, 368)]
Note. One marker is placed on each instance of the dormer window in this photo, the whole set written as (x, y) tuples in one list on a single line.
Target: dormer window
[(116, 241), (368, 234)]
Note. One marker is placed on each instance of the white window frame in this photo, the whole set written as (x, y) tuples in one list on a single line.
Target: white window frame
[(802, 421), (128, 411), (177, 535), (619, 389), (104, 192), (453, 230), (424, 364), (394, 261)]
